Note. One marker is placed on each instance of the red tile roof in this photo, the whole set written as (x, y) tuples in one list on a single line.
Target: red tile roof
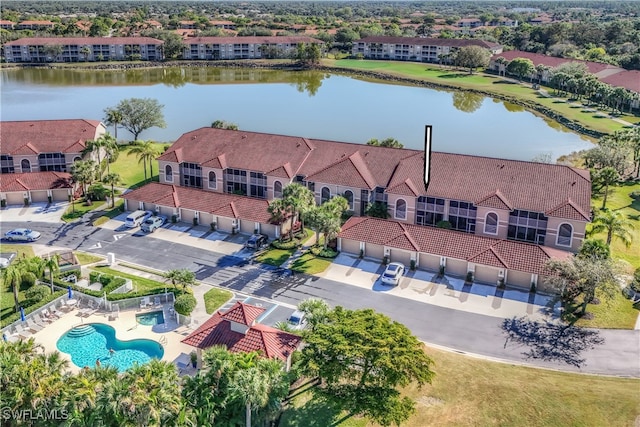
[(254, 40), (518, 256), (422, 41), (245, 314), (46, 136), (34, 181), (70, 41), (227, 205), (270, 342)]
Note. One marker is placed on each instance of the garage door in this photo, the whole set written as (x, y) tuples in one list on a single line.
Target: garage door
[(16, 198), (398, 255), (519, 279), (456, 267), (350, 246), (166, 211), (224, 224), (187, 215), (149, 206), (268, 229), (247, 226), (429, 262), (61, 195), (374, 251), (485, 274), (206, 219), (39, 196)]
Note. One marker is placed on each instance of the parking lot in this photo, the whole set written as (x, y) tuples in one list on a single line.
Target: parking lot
[(36, 212)]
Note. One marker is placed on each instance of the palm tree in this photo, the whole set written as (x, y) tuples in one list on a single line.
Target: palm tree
[(110, 146), (105, 143), (84, 172), (112, 179), (251, 386), (280, 212), (13, 276), (607, 176), (615, 224), (181, 277), (146, 152), (299, 199), (594, 249), (53, 265), (113, 117)]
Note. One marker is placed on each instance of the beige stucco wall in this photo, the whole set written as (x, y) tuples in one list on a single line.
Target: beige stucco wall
[(503, 222), (576, 238), (337, 190), (392, 199), (219, 186), (175, 170)]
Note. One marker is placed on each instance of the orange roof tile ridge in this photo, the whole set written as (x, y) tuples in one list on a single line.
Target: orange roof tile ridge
[(407, 234), (31, 147), (222, 159), (176, 199), (19, 181), (358, 162), (411, 186), (234, 209)]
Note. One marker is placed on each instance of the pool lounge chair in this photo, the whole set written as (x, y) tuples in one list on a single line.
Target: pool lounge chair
[(33, 326), (144, 302), (156, 302), (53, 312), (22, 333), (91, 309)]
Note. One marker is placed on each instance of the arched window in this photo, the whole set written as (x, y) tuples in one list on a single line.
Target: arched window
[(213, 183), (25, 165), (564, 235), (277, 189), (349, 196), (76, 159), (325, 195), (401, 209), (168, 173), (491, 223)]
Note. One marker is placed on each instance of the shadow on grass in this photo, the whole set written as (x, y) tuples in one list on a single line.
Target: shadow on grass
[(559, 101), (453, 75), (316, 412), (598, 116), (551, 341), (505, 82)]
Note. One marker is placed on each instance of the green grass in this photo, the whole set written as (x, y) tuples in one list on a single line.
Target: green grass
[(85, 258), (481, 82), (79, 208), (141, 285), (214, 298), (20, 250), (612, 313), (131, 172), (6, 293), (111, 213), (619, 199), (310, 264), (273, 256), (473, 392)]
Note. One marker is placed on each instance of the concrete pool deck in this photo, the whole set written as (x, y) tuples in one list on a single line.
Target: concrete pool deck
[(126, 329)]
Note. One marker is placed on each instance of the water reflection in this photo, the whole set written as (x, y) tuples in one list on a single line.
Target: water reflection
[(467, 102)]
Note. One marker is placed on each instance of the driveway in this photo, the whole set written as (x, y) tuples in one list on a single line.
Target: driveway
[(36, 212)]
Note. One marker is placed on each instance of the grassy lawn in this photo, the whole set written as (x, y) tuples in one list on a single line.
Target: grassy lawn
[(6, 293), (273, 256), (472, 392), (615, 313), (20, 250), (85, 258), (310, 264), (79, 208), (131, 172), (111, 213), (619, 199), (483, 82), (140, 284), (214, 298)]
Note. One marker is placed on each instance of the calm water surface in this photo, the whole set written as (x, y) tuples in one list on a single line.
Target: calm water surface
[(310, 104)]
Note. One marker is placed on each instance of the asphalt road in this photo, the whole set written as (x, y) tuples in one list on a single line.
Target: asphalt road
[(551, 347)]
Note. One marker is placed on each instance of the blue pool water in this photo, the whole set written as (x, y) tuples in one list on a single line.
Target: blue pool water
[(151, 318), (91, 342)]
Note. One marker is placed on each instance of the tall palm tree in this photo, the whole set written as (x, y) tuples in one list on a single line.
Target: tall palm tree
[(112, 179), (615, 224), (113, 117), (279, 211), (53, 265), (13, 276), (83, 172), (146, 151), (110, 146), (251, 386), (299, 199), (607, 176)]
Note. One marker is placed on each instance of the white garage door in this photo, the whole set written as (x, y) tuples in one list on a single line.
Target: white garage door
[(206, 219), (224, 224), (149, 206), (374, 251), (350, 246), (429, 262), (247, 226), (456, 267), (16, 198), (398, 255), (519, 279), (269, 230), (61, 195), (187, 215), (485, 274), (39, 196), (166, 211)]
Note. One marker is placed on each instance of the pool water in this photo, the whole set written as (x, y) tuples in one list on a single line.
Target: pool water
[(93, 341), (151, 318)]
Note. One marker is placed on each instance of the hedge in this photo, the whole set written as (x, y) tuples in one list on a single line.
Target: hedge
[(321, 252), (15, 316), (185, 304)]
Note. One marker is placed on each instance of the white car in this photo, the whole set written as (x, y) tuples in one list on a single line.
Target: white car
[(297, 320), (152, 223), (22, 235), (392, 274)]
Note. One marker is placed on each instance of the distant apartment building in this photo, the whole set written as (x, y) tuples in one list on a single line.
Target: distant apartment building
[(415, 48), (7, 25), (225, 25), (78, 49), (212, 48), (35, 25)]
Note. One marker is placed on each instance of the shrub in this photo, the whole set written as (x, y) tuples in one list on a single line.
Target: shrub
[(441, 270), (279, 244), (28, 279), (213, 226), (185, 304), (444, 224), (635, 195), (321, 252), (37, 293), (174, 219), (30, 309), (469, 277), (412, 265)]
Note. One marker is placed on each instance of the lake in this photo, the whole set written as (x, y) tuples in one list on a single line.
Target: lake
[(309, 103)]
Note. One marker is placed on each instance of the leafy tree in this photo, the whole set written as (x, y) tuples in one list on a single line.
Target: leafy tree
[(146, 151), (362, 357), (378, 210), (315, 310), (140, 114), (13, 276), (606, 177), (173, 44), (615, 224), (84, 172), (221, 124), (113, 117), (611, 151), (472, 57), (594, 249), (308, 53), (388, 142), (521, 67), (97, 192), (184, 304)]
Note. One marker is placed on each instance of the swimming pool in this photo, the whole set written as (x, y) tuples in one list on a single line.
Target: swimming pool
[(151, 318), (91, 342)]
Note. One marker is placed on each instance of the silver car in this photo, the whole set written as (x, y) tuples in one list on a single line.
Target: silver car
[(152, 223), (22, 235)]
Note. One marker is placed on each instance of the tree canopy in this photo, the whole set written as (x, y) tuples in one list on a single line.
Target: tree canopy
[(521, 67), (387, 142), (140, 114), (472, 57)]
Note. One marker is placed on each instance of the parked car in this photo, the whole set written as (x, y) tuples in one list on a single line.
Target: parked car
[(135, 219), (22, 235), (297, 320), (152, 223), (256, 241), (392, 274)]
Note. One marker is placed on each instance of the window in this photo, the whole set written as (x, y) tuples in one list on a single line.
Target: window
[(52, 162), (191, 175), (277, 189), (564, 235), (213, 183), (491, 223), (6, 163), (462, 216), (401, 209), (25, 165), (235, 181), (429, 210), (349, 196), (258, 187), (168, 173), (325, 195), (527, 226)]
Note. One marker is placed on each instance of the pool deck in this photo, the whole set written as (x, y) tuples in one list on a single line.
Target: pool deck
[(126, 329)]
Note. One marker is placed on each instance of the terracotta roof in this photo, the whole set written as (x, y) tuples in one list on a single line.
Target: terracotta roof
[(628, 79), (270, 342), (46, 136), (69, 41), (253, 40), (422, 41), (34, 181), (244, 314), (227, 205), (518, 256)]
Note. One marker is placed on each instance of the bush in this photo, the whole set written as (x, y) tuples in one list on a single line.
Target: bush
[(185, 304), (174, 219), (290, 244), (321, 252), (469, 277), (441, 270), (444, 224), (36, 294), (28, 280), (15, 316), (635, 195), (213, 226)]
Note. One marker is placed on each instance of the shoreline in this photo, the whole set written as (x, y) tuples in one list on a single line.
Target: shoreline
[(267, 65)]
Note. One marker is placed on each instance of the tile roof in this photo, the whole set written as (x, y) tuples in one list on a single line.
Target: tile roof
[(227, 205), (253, 40), (46, 136), (70, 41), (270, 342), (518, 256), (34, 181), (423, 41), (244, 314)]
